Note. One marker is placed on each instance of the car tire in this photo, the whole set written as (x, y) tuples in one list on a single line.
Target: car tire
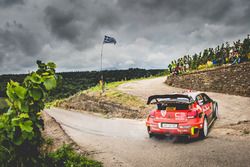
[(204, 130), (150, 135), (216, 114)]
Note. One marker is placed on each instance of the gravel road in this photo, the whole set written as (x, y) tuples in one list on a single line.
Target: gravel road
[(124, 142)]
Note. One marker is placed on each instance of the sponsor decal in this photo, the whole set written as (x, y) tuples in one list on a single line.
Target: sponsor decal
[(206, 107), (180, 116), (163, 113)]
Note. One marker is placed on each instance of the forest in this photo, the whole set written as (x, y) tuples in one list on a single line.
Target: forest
[(73, 82)]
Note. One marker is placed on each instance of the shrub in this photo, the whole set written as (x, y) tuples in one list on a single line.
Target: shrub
[(67, 157), (20, 136)]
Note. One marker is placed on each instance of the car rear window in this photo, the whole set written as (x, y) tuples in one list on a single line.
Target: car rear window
[(173, 106), (178, 99)]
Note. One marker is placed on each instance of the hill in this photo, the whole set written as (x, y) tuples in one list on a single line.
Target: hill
[(74, 82)]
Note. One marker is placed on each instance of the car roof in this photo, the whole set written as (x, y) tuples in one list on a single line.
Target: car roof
[(192, 94)]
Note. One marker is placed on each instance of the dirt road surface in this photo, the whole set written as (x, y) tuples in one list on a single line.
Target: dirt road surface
[(124, 142)]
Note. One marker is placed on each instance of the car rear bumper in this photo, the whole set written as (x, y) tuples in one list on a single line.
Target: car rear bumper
[(191, 130)]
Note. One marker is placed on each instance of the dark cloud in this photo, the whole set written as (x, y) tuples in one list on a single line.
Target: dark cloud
[(148, 32), (82, 23), (177, 10), (15, 38), (2, 56), (8, 3), (239, 15), (62, 23)]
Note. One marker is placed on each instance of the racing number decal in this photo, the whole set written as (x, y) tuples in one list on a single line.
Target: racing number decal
[(207, 108)]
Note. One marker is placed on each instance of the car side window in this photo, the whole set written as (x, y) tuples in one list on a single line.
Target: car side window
[(206, 98), (199, 100)]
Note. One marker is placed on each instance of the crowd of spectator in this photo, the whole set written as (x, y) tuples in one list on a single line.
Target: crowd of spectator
[(221, 55)]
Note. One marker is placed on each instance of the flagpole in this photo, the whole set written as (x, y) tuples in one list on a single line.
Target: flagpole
[(102, 82)]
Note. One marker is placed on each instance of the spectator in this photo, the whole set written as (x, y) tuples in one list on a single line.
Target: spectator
[(177, 69), (170, 68), (236, 58)]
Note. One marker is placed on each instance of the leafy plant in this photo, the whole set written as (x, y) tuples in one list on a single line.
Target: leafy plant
[(3, 105), (20, 136), (66, 156)]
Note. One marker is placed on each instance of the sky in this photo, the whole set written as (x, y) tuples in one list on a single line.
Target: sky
[(149, 33)]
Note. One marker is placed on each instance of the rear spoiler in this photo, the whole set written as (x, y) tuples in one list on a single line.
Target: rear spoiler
[(155, 97)]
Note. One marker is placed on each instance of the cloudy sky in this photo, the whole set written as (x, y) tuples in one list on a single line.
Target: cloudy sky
[(149, 33)]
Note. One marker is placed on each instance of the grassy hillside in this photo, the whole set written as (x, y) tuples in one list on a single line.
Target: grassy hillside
[(111, 103), (74, 82)]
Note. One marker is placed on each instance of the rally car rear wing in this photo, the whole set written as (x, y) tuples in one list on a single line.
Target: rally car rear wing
[(170, 98)]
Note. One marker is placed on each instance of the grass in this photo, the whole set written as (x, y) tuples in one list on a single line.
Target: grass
[(111, 94), (112, 85), (108, 86), (125, 99), (114, 95), (66, 156)]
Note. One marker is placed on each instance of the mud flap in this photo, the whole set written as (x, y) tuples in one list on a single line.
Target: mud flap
[(193, 130)]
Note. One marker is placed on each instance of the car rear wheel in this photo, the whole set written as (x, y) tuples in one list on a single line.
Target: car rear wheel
[(204, 130), (216, 114), (149, 133)]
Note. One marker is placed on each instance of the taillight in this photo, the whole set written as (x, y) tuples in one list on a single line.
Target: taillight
[(192, 114), (152, 114)]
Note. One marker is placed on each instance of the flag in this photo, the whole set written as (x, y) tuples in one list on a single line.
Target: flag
[(108, 39)]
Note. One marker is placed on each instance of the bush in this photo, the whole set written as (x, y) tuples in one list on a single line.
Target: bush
[(3, 105), (20, 135), (67, 157)]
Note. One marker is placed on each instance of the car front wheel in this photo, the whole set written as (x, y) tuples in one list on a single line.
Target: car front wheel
[(204, 130)]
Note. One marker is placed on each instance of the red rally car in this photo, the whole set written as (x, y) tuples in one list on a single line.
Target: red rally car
[(189, 114)]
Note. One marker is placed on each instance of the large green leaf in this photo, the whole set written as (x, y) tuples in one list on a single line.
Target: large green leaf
[(36, 93), (24, 115), (18, 140), (10, 92), (22, 106), (26, 126), (51, 65), (20, 92), (35, 78), (50, 83), (15, 121)]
